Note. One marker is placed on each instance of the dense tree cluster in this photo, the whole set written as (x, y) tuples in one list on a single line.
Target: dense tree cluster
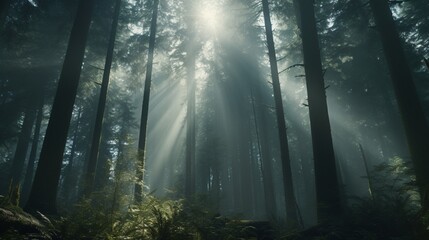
[(269, 109)]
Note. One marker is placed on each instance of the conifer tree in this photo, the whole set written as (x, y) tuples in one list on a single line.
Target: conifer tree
[(45, 186), (284, 146), (138, 190), (412, 114), (96, 136), (327, 187)]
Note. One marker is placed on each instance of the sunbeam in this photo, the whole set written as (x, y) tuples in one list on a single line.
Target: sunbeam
[(210, 19), (189, 119)]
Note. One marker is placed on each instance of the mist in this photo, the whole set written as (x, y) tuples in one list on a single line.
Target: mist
[(203, 119)]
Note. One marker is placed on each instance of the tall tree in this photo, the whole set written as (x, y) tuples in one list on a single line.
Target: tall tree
[(138, 190), (70, 178), (29, 173), (44, 190), (18, 161), (292, 216), (96, 136), (327, 187), (412, 114), (191, 54), (4, 9), (263, 135)]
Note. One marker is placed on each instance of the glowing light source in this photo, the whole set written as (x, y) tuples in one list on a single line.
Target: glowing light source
[(209, 18)]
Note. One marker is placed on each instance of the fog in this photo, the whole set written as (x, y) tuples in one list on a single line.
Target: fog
[(213, 133)]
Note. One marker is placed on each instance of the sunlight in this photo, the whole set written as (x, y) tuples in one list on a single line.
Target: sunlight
[(166, 131), (32, 2), (208, 16)]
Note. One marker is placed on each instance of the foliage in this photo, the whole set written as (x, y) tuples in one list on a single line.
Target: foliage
[(12, 198), (152, 219), (86, 221), (17, 224), (393, 211)]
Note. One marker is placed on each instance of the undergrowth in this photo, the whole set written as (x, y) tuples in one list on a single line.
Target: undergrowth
[(392, 211), (153, 219)]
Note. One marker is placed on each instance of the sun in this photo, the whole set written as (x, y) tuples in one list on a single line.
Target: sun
[(209, 18)]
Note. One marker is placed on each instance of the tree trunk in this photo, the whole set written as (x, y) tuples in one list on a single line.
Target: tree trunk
[(246, 169), (18, 161), (413, 117), (29, 174), (138, 190), (215, 190), (264, 151), (327, 188), (291, 215), (102, 171), (236, 165), (4, 10), (44, 191), (70, 177), (190, 127), (95, 144), (190, 112), (256, 179)]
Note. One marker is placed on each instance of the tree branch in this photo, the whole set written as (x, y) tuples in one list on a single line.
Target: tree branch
[(426, 61), (295, 65)]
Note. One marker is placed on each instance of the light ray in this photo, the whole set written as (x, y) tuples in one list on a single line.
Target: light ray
[(210, 19)]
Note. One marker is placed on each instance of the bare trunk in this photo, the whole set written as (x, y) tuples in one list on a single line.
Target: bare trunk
[(44, 191), (327, 188), (70, 177), (4, 10), (98, 125), (264, 151), (138, 189), (29, 174), (190, 128), (291, 215), (18, 161), (413, 117)]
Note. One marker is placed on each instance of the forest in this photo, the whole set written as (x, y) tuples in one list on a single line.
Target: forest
[(211, 120)]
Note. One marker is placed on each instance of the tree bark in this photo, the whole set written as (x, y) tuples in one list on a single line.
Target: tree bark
[(190, 127), (190, 62), (4, 10), (29, 174), (327, 187), (265, 156), (98, 125), (138, 190), (412, 114), (246, 169), (44, 190), (70, 177), (291, 215), (18, 161)]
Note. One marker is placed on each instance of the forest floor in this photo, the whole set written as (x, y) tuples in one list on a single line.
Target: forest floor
[(16, 224), (157, 219)]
